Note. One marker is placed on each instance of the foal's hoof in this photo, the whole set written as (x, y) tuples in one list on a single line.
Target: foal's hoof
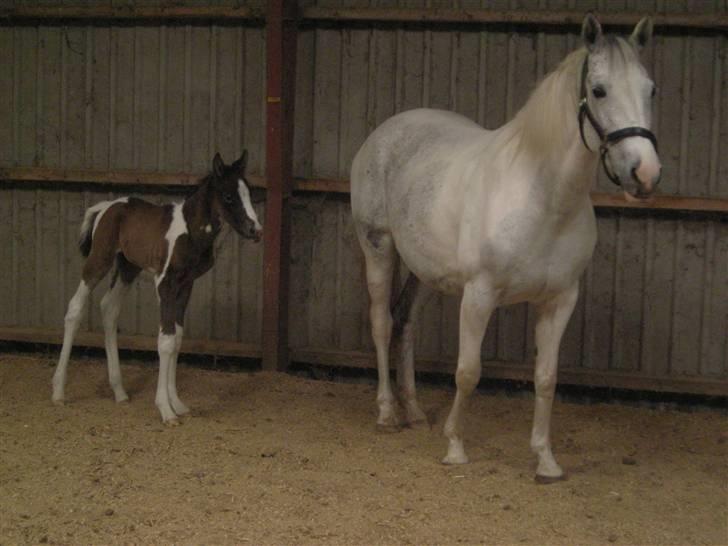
[(122, 399), (58, 402), (172, 422), (546, 480), (388, 428)]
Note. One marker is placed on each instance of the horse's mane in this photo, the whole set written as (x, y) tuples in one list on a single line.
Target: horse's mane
[(549, 117), (548, 121)]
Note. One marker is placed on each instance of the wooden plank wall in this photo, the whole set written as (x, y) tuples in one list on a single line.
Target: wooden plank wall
[(655, 299), (160, 98)]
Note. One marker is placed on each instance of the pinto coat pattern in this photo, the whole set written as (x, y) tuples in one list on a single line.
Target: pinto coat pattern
[(174, 242)]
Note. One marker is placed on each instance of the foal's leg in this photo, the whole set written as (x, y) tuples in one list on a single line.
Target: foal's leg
[(477, 304), (74, 314), (379, 255), (406, 311), (166, 346), (110, 309), (183, 297), (553, 317), (97, 265)]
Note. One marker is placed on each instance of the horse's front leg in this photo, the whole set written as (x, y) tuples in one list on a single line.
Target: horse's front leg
[(167, 290), (553, 315), (183, 297), (479, 300)]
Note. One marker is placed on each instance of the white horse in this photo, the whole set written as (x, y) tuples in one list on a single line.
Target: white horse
[(500, 217)]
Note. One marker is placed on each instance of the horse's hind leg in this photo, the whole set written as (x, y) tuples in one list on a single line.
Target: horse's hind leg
[(95, 268), (380, 255), (74, 314), (124, 275), (405, 313), (553, 316)]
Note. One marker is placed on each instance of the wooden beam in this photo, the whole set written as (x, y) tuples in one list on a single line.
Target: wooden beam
[(116, 177), (601, 200), (558, 18), (135, 343), (123, 14), (524, 372), (281, 44)]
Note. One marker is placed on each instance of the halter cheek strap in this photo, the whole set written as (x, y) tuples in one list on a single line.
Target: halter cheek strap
[(606, 139)]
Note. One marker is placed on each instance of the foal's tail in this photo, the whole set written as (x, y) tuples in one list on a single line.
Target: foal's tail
[(89, 218)]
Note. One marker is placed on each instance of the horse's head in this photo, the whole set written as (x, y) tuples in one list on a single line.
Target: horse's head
[(232, 197), (616, 107)]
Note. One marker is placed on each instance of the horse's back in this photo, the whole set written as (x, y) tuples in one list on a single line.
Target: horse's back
[(407, 149)]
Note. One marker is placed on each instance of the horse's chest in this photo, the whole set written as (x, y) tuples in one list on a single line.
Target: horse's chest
[(544, 264)]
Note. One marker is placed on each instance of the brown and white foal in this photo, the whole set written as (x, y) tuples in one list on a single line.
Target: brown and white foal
[(175, 243)]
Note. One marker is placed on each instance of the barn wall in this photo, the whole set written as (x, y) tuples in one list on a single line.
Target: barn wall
[(123, 97), (654, 302)]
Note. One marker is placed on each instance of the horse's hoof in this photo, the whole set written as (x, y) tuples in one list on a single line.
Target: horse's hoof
[(181, 409), (388, 428), (455, 459), (172, 422), (546, 480), (123, 400), (58, 402), (419, 424)]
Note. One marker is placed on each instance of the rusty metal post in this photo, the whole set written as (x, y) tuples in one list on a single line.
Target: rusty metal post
[(281, 26)]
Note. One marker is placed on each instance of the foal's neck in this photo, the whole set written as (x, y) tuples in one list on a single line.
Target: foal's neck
[(203, 223)]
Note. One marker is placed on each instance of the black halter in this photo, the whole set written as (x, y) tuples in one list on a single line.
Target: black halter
[(607, 139)]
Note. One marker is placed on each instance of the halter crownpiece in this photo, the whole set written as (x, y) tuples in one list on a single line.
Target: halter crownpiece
[(606, 139)]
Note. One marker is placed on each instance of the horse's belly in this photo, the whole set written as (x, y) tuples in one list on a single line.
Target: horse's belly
[(432, 263)]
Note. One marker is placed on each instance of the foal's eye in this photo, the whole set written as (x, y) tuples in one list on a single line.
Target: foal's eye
[(227, 198), (654, 91), (599, 92)]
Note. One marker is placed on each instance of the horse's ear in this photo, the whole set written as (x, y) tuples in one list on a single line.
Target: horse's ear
[(242, 163), (591, 32), (642, 34), (218, 165)]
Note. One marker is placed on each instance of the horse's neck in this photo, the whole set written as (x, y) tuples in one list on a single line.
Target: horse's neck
[(545, 134), (202, 223)]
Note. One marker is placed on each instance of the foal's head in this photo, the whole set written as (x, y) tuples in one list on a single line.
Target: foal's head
[(231, 197), (619, 95)]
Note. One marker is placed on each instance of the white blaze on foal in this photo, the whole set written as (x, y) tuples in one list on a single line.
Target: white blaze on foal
[(173, 242)]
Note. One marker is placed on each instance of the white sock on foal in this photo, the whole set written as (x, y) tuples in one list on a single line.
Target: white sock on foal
[(76, 307)]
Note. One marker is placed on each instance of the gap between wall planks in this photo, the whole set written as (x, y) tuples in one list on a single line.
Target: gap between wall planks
[(146, 178)]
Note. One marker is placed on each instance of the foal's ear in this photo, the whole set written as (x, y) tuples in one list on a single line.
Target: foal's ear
[(218, 165), (642, 34), (241, 163), (591, 32)]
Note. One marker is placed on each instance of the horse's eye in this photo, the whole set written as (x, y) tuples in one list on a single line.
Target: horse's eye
[(227, 198), (654, 91), (599, 92)]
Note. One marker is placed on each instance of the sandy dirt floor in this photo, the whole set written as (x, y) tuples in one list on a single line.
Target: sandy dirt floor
[(276, 459)]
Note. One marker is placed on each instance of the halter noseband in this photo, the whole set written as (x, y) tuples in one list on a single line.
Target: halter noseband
[(607, 139)]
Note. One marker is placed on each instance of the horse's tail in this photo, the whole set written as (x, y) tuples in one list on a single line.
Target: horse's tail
[(87, 227)]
